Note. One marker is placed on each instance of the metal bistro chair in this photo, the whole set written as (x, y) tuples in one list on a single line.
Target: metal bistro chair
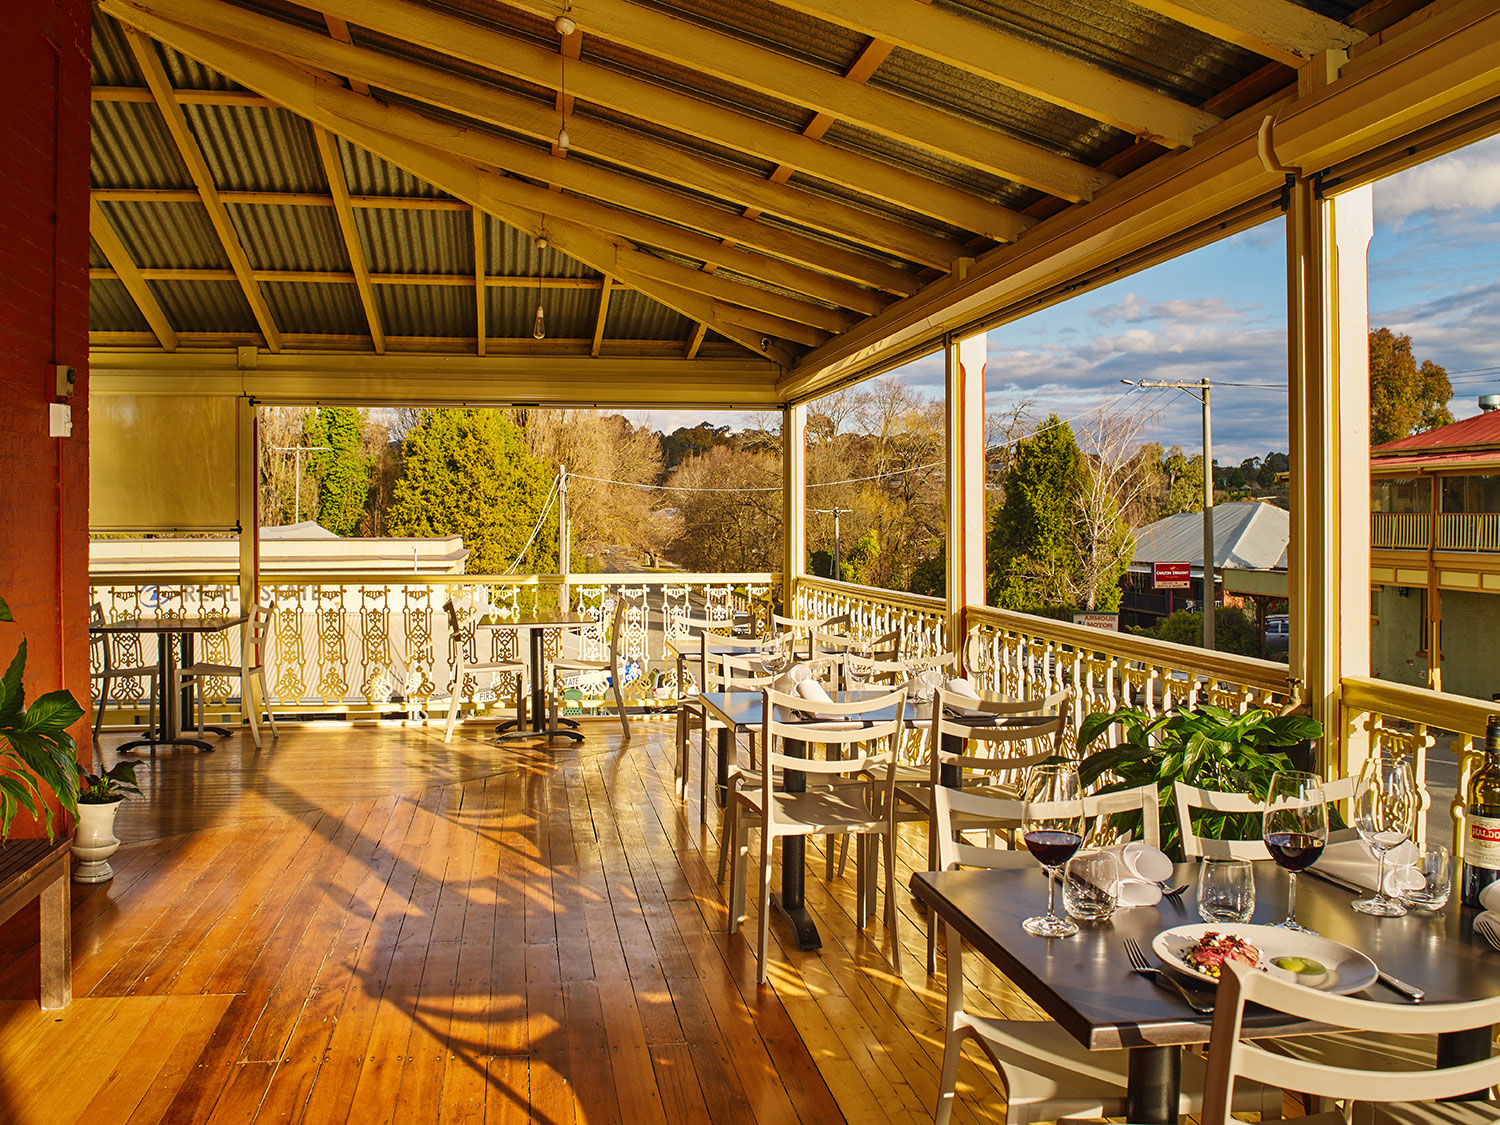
[(572, 661), (862, 805), (690, 709), (458, 641), (107, 672), (252, 663)]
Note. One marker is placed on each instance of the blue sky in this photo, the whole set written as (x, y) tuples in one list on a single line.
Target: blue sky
[(1221, 311)]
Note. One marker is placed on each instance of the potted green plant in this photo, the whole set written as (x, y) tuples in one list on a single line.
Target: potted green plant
[(36, 750), (98, 800), (1206, 746)]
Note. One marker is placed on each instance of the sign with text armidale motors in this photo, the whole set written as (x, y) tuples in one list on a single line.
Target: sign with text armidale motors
[(1171, 576)]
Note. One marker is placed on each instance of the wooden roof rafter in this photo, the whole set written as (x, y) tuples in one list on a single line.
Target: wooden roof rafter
[(126, 271), (339, 188), (149, 64)]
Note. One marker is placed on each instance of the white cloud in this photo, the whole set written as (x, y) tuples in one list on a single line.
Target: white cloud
[(1133, 309), (1467, 182)]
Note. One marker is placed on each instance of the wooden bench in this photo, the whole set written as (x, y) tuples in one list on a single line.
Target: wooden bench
[(36, 869)]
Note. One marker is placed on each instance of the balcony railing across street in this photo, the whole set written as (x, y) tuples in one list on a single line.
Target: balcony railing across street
[(351, 644), (1400, 531)]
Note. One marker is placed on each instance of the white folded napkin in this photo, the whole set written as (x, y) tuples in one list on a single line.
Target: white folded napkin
[(1142, 868), (1351, 861), (923, 684), (812, 690), (787, 682), (961, 687), (1487, 921), (1489, 898)]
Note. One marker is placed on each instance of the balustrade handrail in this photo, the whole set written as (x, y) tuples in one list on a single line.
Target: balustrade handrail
[(1250, 671), (392, 578), (1438, 709), (920, 602)]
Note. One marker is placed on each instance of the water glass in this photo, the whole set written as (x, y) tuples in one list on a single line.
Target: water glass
[(1090, 885), (1433, 868), (1226, 890)]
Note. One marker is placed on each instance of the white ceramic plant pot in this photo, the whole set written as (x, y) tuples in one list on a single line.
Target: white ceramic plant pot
[(95, 842)]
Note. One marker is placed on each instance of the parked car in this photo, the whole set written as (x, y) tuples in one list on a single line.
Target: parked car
[(1278, 632)]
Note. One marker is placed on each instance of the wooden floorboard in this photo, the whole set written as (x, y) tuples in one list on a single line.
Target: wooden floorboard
[(364, 924)]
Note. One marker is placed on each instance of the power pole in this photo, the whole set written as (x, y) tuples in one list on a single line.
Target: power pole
[(1202, 389), (298, 451), (564, 532), (835, 512)]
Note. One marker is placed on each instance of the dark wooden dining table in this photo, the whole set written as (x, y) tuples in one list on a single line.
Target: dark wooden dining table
[(740, 711), (1084, 982), (172, 705), (535, 626)]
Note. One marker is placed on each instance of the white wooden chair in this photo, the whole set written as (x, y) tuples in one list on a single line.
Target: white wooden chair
[(572, 660), (801, 629), (1402, 1097), (1189, 798), (1048, 1074), (690, 709), (108, 671), (252, 664), (458, 640), (864, 808)]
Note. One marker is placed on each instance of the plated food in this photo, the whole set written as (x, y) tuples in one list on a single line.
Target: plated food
[(1200, 952)]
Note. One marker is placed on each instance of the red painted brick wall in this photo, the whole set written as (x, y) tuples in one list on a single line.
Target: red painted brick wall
[(44, 309)]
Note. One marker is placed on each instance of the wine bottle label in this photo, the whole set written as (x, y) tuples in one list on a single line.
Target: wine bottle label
[(1483, 847)]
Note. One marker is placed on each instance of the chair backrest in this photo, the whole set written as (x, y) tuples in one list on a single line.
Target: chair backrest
[(253, 647), (100, 640), (1188, 798), (954, 852), (455, 630), (866, 722), (728, 672), (887, 646), (1230, 1057), (1042, 729)]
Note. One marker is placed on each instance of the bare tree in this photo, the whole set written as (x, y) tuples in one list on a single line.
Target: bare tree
[(281, 429)]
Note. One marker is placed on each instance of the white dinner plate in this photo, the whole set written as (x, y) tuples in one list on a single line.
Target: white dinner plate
[(1349, 970)]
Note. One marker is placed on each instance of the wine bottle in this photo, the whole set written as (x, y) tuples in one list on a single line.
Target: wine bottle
[(1482, 819)]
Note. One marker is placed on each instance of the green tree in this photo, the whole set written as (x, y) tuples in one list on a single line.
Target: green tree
[(1234, 630), (342, 472), (1404, 398), (468, 472), (1029, 531)]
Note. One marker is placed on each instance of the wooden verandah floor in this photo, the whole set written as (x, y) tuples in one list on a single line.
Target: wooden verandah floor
[(362, 924)]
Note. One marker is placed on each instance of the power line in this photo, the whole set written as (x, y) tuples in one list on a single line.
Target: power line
[(541, 519), (757, 488)]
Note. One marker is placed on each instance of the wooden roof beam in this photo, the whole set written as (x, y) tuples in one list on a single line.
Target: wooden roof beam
[(798, 83), (1021, 64), (333, 169), (326, 102), (125, 269), (150, 66), (336, 277), (1274, 29), (339, 30), (601, 316), (458, 94), (699, 332), (481, 294)]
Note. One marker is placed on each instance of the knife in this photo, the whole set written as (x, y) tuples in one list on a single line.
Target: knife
[(1409, 990)]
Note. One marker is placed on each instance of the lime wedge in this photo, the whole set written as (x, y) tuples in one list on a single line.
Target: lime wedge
[(1302, 966)]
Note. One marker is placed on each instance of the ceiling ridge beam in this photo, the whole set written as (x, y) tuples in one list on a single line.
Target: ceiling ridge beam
[(1010, 157), (338, 29), (125, 270), (333, 169), (1020, 64), (339, 277), (322, 99), (186, 97), (768, 72), (1274, 29), (155, 74), (607, 142)]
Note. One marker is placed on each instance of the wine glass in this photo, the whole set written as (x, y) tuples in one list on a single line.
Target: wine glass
[(776, 657), (1295, 830), (1052, 826), (1385, 812)]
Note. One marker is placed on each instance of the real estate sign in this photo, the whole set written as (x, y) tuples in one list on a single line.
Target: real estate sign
[(1171, 576)]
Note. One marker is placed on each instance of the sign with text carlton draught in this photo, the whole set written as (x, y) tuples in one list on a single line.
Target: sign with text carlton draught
[(1171, 576)]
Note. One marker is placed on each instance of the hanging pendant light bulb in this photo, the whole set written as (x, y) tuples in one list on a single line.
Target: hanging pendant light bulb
[(539, 327), (562, 138)]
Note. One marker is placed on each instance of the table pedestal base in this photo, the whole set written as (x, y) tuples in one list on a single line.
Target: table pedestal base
[(804, 929), (1151, 1091), (183, 743)]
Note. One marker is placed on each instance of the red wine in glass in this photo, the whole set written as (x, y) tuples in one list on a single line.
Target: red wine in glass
[(1294, 850), (1053, 848)]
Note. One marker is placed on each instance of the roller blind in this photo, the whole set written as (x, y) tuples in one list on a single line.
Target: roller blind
[(162, 463)]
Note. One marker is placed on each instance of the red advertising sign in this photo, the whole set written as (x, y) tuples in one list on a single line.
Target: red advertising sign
[(1171, 576)]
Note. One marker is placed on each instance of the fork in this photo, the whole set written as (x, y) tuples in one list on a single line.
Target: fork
[(1174, 892), (1139, 964)]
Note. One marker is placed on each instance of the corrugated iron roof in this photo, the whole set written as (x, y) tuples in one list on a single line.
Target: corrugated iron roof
[(131, 148), (633, 316), (416, 241), (569, 314), (427, 310), (290, 238), (1481, 433), (112, 310), (513, 253), (205, 306), (167, 235), (1248, 535), (252, 149), (316, 309), (368, 174)]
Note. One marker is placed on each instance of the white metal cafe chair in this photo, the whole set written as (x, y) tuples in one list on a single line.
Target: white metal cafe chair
[(1373, 1089), (252, 664), (863, 809), (1189, 798), (1048, 1074), (694, 668), (107, 672), (458, 641), (574, 658)]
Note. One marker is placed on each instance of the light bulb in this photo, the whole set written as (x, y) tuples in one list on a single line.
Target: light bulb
[(539, 328), (541, 242), (562, 138), (565, 25)]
